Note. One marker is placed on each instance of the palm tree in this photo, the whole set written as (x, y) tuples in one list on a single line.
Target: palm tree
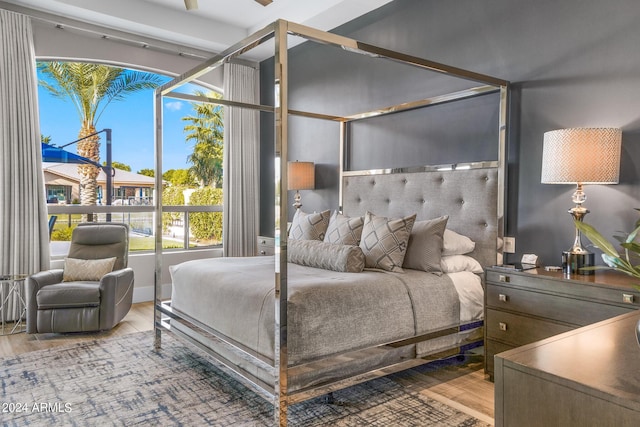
[(206, 161), (91, 88), (206, 129)]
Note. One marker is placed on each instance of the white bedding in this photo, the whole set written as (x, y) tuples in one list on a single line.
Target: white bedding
[(469, 288)]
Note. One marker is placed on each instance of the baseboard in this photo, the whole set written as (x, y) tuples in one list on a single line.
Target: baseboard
[(145, 293)]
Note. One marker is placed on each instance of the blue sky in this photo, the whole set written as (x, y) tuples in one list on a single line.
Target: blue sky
[(132, 124)]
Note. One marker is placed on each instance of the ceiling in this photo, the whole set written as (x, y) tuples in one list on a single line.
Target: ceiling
[(214, 26)]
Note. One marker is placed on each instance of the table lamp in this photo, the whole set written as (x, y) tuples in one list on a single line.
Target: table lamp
[(580, 156), (301, 177)]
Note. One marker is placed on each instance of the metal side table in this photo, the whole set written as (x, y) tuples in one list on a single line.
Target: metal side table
[(12, 298)]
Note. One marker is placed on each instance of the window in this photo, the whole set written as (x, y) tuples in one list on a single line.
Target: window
[(192, 172)]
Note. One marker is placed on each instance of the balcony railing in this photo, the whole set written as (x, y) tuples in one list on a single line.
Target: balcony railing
[(184, 227)]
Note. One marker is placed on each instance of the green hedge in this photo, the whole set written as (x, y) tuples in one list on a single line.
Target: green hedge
[(172, 196), (62, 234), (206, 225)]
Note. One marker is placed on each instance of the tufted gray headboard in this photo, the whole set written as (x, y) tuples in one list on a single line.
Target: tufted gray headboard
[(469, 197)]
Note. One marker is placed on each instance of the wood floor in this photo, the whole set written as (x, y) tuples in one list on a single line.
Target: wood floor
[(462, 386)]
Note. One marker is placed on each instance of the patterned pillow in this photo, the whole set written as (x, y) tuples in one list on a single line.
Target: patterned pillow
[(424, 249), (384, 241), (309, 226), (86, 269), (329, 256), (344, 230)]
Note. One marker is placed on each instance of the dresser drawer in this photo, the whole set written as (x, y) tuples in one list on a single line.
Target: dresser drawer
[(574, 311), (519, 330), (498, 277), (524, 307), (266, 246), (625, 297)]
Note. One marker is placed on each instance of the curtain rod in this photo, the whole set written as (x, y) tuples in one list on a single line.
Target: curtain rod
[(111, 34)]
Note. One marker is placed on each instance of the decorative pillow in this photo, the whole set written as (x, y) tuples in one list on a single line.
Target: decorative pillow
[(344, 230), (309, 226), (86, 269), (456, 244), (329, 256), (458, 263), (384, 241), (424, 249)]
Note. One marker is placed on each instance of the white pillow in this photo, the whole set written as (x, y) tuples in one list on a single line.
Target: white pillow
[(458, 263), (456, 244)]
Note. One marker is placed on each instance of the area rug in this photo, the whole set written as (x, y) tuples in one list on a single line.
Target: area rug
[(123, 382)]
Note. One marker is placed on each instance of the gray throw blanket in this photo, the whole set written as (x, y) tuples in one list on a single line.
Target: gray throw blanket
[(329, 312)]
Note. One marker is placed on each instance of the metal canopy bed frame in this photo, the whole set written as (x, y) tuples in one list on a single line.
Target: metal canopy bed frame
[(278, 392)]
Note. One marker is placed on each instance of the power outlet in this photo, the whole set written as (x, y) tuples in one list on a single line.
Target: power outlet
[(510, 245)]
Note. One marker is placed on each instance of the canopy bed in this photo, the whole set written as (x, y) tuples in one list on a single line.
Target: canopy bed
[(291, 330)]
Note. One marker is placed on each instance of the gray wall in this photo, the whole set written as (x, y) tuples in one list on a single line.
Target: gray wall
[(571, 63)]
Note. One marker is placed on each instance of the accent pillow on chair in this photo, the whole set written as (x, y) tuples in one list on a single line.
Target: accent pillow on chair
[(85, 296), (86, 269)]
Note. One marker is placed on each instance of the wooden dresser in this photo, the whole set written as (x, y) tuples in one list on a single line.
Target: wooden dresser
[(266, 245), (586, 377), (527, 306)]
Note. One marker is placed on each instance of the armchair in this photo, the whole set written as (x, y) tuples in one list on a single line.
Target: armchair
[(54, 305)]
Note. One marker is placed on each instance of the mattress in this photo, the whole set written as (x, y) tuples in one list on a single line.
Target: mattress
[(328, 312)]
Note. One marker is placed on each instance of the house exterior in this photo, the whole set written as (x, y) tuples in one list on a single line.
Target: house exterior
[(62, 183)]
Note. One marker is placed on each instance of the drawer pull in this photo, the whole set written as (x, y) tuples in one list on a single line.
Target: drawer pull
[(502, 298), (628, 298), (502, 326), (504, 279), (263, 252)]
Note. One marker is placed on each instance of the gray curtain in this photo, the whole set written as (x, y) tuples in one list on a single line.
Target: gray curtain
[(241, 162), (24, 236)]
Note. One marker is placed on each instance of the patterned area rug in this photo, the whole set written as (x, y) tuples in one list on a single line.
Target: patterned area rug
[(123, 382)]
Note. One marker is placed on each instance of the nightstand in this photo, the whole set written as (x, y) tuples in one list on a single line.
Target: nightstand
[(594, 384), (266, 246), (522, 307)]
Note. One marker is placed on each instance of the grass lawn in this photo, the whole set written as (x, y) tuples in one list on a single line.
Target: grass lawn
[(149, 244), (62, 231)]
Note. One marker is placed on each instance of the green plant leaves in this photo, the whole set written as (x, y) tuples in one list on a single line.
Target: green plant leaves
[(610, 255), (597, 239)]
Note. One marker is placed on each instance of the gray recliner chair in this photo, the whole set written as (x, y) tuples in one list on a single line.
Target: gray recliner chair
[(84, 305)]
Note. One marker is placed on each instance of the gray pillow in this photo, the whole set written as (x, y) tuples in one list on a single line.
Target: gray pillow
[(384, 241), (309, 226), (344, 230), (424, 250), (329, 256)]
